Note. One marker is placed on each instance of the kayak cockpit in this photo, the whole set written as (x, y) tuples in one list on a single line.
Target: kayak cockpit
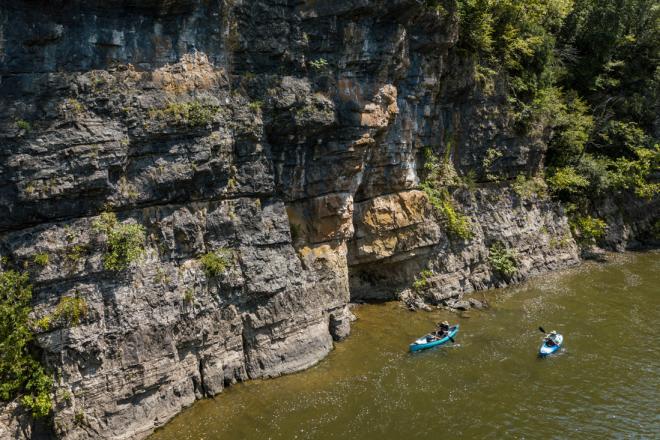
[(551, 345)]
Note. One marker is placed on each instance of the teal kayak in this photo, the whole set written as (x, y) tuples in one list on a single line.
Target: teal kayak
[(429, 340), (550, 346)]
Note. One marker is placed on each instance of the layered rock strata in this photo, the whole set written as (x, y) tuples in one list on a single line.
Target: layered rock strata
[(288, 134)]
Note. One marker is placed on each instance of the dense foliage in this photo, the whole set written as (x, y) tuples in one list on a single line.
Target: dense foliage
[(583, 74), (19, 371), (610, 51)]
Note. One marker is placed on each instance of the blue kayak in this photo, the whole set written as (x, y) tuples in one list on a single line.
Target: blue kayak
[(549, 347), (429, 340)]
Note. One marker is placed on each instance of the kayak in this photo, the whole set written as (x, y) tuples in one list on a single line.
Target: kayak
[(429, 340), (549, 349)]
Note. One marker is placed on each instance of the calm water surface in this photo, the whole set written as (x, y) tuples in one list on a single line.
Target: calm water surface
[(604, 384)]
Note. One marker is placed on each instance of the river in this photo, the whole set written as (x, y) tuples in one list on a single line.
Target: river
[(605, 383)]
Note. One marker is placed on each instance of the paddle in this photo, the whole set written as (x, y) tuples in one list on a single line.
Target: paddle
[(543, 331)]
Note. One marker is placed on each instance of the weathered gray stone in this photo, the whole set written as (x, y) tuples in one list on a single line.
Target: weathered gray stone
[(289, 134), (476, 304)]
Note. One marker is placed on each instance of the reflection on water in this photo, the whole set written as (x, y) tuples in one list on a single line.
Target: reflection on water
[(604, 384)]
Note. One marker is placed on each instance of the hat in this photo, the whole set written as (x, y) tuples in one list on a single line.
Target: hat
[(554, 332), (445, 322)]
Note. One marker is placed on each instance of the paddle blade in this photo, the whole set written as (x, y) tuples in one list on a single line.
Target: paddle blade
[(452, 340), (542, 331)]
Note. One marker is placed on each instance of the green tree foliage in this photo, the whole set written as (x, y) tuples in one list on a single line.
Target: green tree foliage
[(613, 47), (20, 373), (582, 74), (587, 70), (610, 50), (125, 242), (516, 39), (572, 123)]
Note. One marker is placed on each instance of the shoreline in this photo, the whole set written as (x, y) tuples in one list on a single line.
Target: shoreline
[(333, 376), (613, 257)]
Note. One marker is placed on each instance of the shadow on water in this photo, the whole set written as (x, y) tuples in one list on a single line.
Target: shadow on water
[(491, 384)]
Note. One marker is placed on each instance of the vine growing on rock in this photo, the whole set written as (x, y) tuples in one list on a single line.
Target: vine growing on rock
[(437, 175), (20, 372)]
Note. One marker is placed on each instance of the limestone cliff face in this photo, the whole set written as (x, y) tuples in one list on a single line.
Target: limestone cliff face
[(289, 133)]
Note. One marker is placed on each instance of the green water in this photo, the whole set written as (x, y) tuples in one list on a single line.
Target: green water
[(490, 384)]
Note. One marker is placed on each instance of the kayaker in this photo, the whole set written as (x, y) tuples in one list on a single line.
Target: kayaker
[(443, 328), (550, 337)]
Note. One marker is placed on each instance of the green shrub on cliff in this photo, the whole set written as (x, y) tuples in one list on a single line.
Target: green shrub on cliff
[(41, 259), (319, 64), (422, 280), (457, 224), (193, 113), (634, 174), (69, 312), (567, 180), (529, 187), (440, 172), (215, 263), (588, 229), (600, 175), (655, 230), (125, 242), (438, 175), (502, 260), (70, 309), (20, 373), (24, 125)]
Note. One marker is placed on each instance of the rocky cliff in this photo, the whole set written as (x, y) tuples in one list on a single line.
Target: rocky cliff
[(287, 134)]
